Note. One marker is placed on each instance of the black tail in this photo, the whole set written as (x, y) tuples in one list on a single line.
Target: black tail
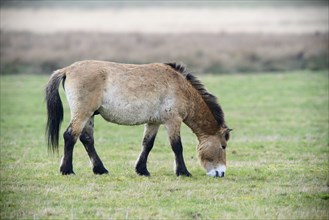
[(54, 110)]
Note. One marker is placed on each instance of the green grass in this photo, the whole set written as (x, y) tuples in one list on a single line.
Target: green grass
[(277, 158)]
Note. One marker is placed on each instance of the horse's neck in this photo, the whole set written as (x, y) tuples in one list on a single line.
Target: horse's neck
[(200, 119)]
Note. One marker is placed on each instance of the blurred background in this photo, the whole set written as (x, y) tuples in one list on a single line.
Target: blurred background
[(208, 36)]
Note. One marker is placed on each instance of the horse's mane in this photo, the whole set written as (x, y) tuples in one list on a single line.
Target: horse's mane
[(208, 98)]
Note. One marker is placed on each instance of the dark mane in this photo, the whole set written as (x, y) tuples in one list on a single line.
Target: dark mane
[(209, 99)]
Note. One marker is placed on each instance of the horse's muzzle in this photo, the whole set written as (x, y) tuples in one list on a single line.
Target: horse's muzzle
[(217, 172), (222, 174)]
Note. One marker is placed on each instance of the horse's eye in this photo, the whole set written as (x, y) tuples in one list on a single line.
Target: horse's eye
[(224, 147), (227, 136)]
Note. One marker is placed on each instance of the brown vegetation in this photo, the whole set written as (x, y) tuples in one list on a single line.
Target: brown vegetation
[(211, 53)]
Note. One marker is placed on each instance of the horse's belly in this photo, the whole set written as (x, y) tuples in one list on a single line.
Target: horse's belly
[(129, 114), (135, 110)]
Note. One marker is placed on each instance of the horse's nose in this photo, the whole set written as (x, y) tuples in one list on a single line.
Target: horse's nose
[(220, 174), (219, 171)]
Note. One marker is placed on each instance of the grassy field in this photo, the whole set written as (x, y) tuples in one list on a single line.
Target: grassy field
[(277, 158)]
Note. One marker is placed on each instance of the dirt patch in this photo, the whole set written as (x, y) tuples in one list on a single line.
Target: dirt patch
[(210, 53)]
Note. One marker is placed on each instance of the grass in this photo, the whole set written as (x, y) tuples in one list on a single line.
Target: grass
[(277, 158)]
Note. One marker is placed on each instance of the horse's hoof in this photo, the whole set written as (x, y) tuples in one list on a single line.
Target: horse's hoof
[(66, 170), (183, 173), (100, 170), (142, 171)]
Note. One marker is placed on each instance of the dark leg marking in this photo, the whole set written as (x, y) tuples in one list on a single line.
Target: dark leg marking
[(69, 140), (87, 139), (141, 168), (177, 147)]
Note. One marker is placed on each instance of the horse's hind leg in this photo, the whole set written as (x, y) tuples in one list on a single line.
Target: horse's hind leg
[(150, 133), (87, 139), (70, 138)]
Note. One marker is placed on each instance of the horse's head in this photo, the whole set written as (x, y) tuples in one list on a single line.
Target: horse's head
[(212, 152)]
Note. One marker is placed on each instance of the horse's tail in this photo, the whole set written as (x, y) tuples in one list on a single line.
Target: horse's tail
[(54, 109)]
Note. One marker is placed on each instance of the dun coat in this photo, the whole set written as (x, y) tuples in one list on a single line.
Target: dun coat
[(128, 94)]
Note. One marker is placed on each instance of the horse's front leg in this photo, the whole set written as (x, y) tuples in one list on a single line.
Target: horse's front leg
[(173, 129), (87, 139), (150, 133)]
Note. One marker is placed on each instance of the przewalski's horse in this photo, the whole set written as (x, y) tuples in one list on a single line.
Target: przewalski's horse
[(127, 94)]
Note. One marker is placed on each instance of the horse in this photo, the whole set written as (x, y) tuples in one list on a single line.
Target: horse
[(134, 94)]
